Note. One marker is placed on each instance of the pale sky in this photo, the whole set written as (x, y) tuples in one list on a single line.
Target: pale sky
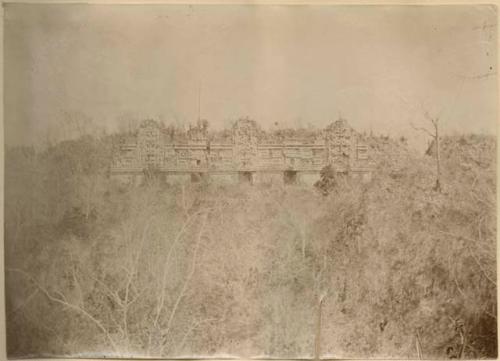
[(376, 66)]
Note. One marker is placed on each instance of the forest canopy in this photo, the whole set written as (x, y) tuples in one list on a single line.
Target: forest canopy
[(94, 267)]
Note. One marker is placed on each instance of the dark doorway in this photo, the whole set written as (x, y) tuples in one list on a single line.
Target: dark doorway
[(197, 177), (246, 177), (290, 177)]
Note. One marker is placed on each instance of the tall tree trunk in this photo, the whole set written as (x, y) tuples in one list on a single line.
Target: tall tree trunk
[(418, 345), (317, 341), (438, 157)]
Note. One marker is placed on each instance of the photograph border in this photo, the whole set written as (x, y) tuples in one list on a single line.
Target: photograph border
[(496, 3)]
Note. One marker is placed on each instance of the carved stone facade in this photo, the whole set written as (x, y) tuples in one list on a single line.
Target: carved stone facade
[(149, 145), (245, 144), (247, 150)]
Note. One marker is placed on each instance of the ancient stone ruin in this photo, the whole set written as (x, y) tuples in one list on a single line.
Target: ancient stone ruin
[(246, 153)]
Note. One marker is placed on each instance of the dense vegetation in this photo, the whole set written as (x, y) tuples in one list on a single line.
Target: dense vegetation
[(95, 267)]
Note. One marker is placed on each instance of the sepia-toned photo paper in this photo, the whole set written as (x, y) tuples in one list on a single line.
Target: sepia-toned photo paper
[(250, 181)]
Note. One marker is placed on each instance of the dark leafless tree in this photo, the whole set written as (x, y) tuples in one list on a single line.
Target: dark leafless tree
[(434, 133)]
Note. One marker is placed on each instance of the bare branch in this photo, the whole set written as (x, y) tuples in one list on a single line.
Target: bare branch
[(428, 132), (434, 121), (161, 300), (107, 290), (454, 273), (131, 276), (478, 76), (184, 286), (484, 26), (194, 326), (490, 314), (477, 261), (21, 306), (68, 305), (418, 345), (77, 283), (479, 265)]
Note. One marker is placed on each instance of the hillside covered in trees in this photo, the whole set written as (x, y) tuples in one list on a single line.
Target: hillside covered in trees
[(96, 268)]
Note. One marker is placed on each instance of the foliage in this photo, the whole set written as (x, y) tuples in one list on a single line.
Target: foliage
[(169, 270), (330, 180)]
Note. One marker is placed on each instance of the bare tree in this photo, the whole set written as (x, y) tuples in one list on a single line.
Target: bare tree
[(317, 338), (434, 133)]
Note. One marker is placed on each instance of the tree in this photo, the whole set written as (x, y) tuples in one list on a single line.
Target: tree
[(121, 302), (435, 139), (329, 179)]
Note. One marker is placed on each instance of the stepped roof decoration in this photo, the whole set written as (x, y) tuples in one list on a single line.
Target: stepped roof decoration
[(245, 146)]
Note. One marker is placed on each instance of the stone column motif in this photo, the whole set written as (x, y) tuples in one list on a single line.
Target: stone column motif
[(245, 143), (340, 141), (149, 144)]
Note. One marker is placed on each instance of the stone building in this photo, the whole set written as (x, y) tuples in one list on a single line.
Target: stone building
[(247, 153)]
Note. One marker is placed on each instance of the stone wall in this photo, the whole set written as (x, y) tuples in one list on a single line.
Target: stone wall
[(338, 145)]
